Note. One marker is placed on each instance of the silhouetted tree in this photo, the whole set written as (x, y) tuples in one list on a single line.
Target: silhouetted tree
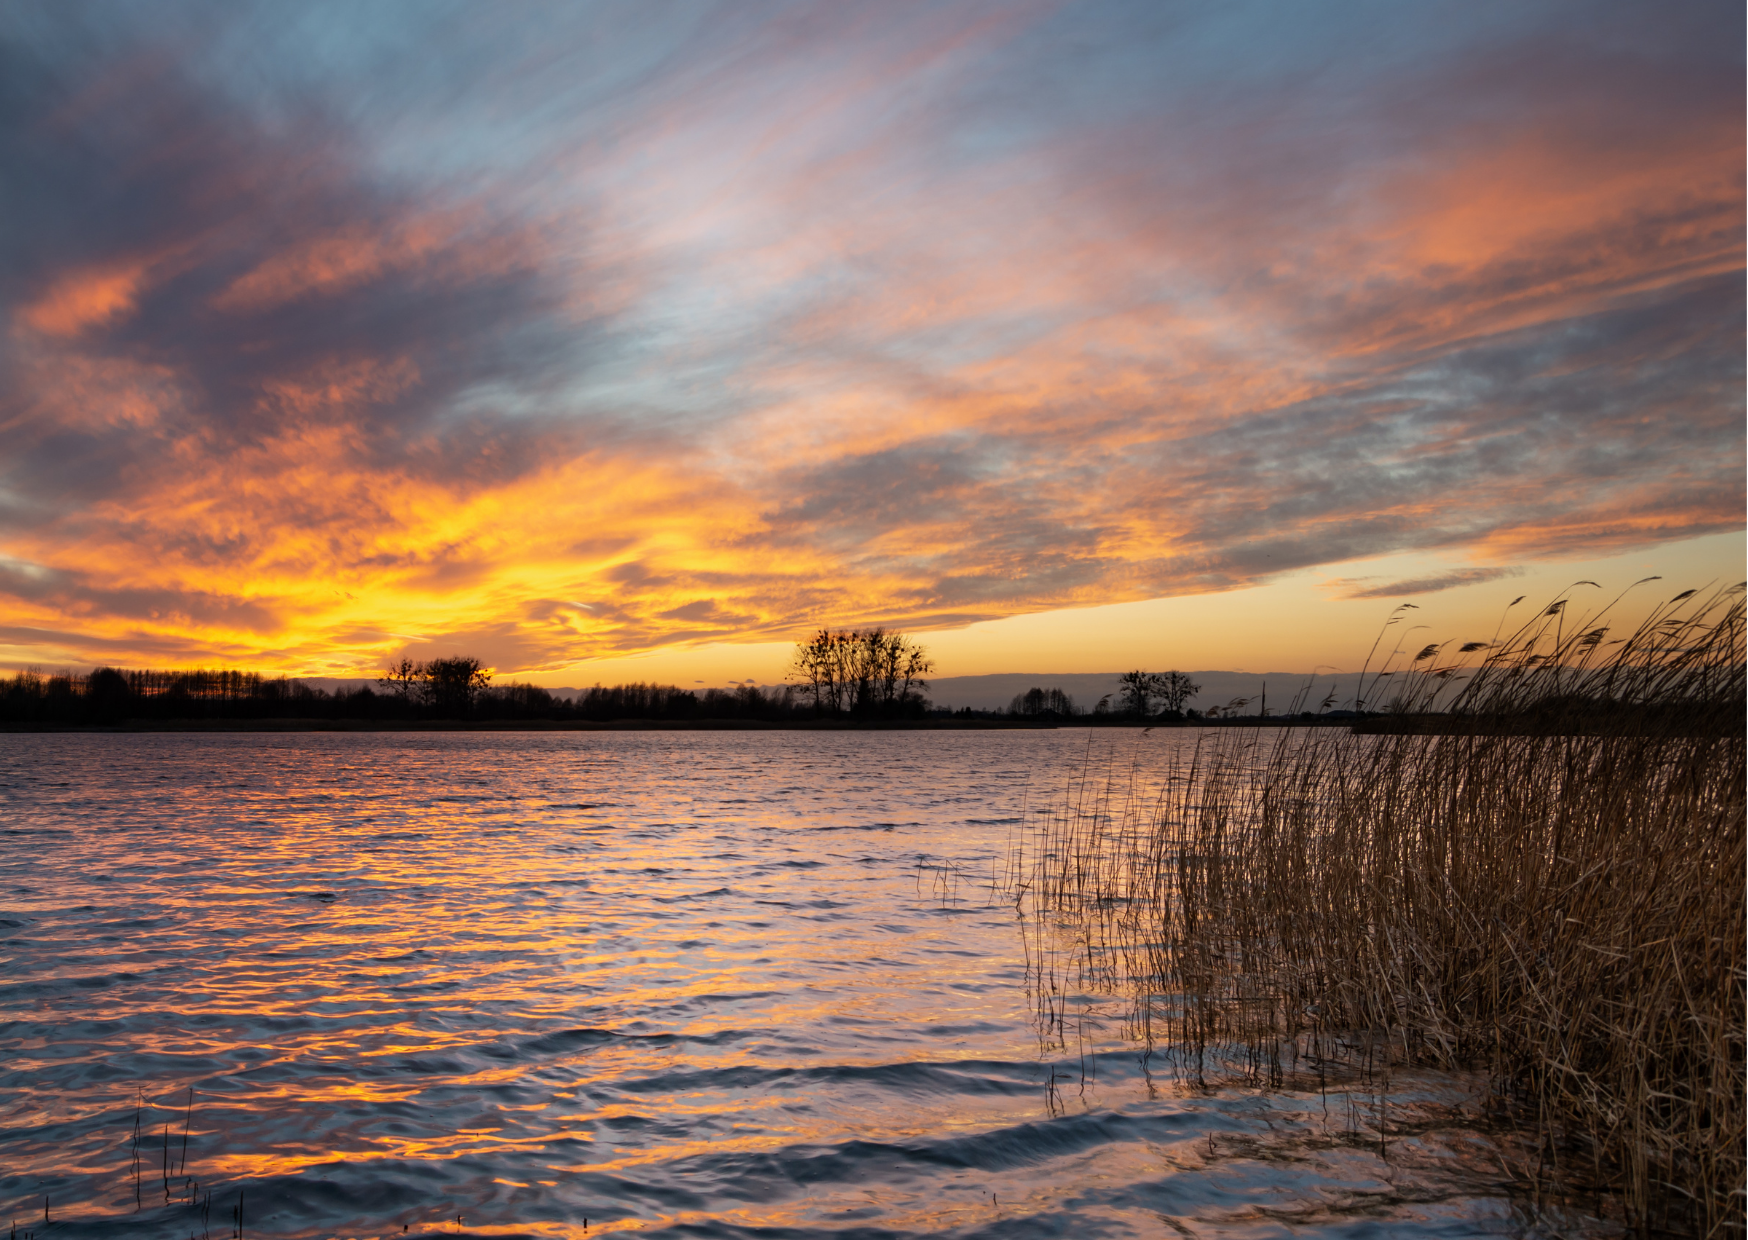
[(637, 701), (747, 702), (518, 701), (1137, 693), (1174, 689), (402, 680), (1038, 703), (862, 672), (107, 695), (450, 686), (819, 666)]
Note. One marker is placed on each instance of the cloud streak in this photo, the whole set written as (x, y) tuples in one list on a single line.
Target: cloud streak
[(1357, 587), (642, 333)]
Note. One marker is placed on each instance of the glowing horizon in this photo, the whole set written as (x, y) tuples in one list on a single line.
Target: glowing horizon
[(621, 335)]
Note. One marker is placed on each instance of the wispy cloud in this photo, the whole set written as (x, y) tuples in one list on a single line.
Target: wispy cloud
[(567, 336), (1361, 587)]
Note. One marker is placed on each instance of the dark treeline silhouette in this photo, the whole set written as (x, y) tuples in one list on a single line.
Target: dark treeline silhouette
[(112, 695), (854, 674), (1036, 703), (605, 703), (1136, 701), (440, 690)]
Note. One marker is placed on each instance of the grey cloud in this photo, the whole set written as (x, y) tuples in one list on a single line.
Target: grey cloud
[(1637, 408), (159, 647), (74, 594), (894, 486), (121, 146), (1356, 588), (707, 611), (125, 160)]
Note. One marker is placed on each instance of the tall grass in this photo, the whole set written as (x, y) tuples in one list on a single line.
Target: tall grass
[(1544, 880)]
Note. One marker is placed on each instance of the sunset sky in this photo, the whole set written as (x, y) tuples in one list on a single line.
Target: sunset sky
[(612, 341)]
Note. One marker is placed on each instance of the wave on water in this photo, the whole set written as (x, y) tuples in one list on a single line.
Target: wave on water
[(703, 984)]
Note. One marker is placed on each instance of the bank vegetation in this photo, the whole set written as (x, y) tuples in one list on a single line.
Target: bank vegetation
[(406, 695), (838, 675), (1547, 888)]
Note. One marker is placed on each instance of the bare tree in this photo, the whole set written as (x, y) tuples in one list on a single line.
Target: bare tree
[(402, 680), (1038, 703), (815, 668), (862, 672), (1174, 689), (1138, 693), (452, 685)]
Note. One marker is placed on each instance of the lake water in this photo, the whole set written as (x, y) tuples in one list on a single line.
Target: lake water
[(693, 984)]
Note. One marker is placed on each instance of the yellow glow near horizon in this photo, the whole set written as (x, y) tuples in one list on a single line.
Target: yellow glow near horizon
[(849, 322), (1296, 624)]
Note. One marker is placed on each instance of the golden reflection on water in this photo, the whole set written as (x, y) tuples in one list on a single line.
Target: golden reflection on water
[(658, 981)]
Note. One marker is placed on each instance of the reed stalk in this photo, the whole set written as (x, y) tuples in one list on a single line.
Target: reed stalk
[(1537, 870)]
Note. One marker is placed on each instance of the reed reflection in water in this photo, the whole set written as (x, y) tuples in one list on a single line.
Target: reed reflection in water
[(695, 984)]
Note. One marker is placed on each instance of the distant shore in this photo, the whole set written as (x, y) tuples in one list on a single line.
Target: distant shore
[(649, 725)]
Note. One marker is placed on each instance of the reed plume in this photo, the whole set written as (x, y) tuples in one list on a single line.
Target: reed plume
[(1533, 865)]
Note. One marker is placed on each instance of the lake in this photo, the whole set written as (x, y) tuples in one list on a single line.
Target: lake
[(689, 984)]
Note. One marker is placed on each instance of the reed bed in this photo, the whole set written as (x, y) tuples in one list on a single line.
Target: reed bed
[(1537, 871)]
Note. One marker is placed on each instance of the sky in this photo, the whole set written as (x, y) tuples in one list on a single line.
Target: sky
[(635, 341)]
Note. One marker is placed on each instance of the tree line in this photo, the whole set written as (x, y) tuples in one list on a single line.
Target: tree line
[(1143, 695), (459, 688), (852, 674), (114, 696)]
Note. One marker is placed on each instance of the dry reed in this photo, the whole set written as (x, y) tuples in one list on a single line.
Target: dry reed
[(1541, 876)]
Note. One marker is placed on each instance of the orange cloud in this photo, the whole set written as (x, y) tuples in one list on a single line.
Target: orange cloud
[(881, 330), (84, 299), (341, 386), (330, 264)]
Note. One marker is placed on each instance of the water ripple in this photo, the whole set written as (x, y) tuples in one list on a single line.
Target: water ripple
[(708, 984)]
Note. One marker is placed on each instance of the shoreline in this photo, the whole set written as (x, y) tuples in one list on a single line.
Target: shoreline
[(638, 725)]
